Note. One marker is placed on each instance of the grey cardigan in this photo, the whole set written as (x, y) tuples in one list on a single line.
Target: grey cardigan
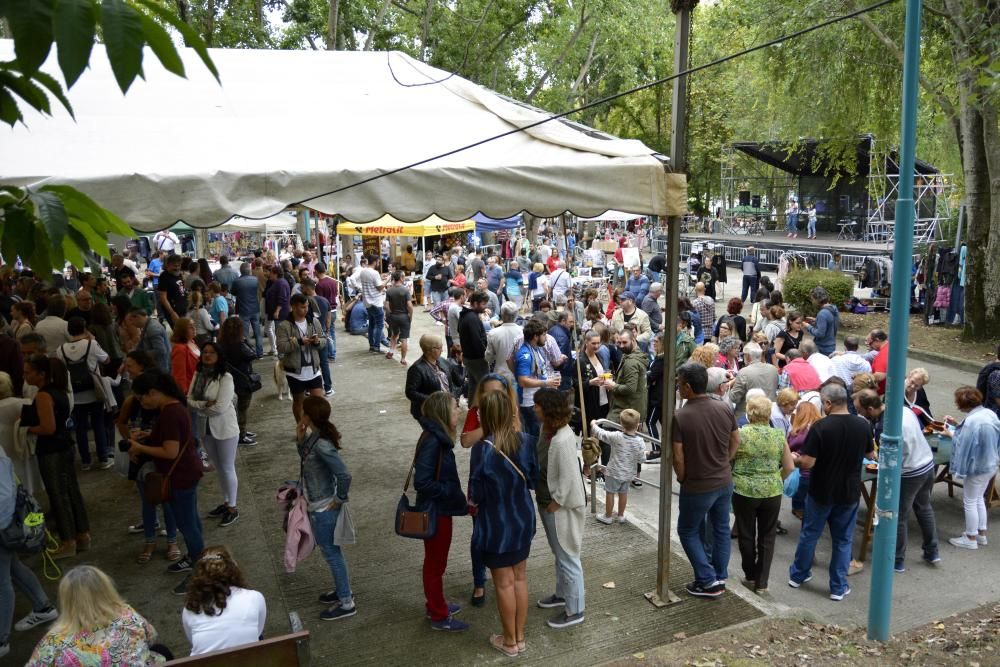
[(287, 336)]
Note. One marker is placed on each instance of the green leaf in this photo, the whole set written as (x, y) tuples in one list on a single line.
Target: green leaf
[(53, 87), (122, 30), (159, 41), (71, 250), (40, 259), (74, 23), (191, 37), (31, 23), (79, 205), (9, 113), (27, 91), (91, 236), (50, 211), (18, 232)]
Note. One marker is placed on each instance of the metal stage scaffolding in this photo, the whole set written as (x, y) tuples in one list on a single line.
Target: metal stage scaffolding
[(860, 206)]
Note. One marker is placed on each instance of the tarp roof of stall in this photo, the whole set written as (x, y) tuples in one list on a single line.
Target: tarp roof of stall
[(194, 150)]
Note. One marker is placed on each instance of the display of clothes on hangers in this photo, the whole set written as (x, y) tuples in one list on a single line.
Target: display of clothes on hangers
[(789, 260), (946, 288)]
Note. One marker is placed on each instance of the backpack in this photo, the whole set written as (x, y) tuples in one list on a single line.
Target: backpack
[(26, 532), (79, 370)]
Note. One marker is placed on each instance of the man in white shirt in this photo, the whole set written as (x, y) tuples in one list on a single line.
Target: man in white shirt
[(559, 281), (165, 241), (82, 356), (819, 361), (850, 362), (504, 340), (545, 250), (373, 294), (53, 327)]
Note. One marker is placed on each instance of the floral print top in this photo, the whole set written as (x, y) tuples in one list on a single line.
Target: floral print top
[(757, 466), (123, 643)]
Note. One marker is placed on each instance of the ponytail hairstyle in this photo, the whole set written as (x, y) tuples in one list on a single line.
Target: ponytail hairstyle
[(317, 409), (161, 382), (52, 368)]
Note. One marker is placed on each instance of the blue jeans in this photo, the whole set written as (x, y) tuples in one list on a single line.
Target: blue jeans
[(529, 421), (324, 366), (811, 227), (376, 325), (569, 569), (15, 574), (323, 524), (87, 416), (253, 321), (694, 509), (750, 286), (149, 519), (799, 499), (841, 519), (184, 504), (790, 223), (478, 567), (331, 339)]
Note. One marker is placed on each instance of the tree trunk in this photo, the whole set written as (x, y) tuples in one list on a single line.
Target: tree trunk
[(977, 205), (331, 25)]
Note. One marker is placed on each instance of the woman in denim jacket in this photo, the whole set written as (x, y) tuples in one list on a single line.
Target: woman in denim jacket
[(327, 482), (435, 477), (974, 457)]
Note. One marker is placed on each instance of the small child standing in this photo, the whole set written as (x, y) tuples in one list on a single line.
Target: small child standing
[(627, 452)]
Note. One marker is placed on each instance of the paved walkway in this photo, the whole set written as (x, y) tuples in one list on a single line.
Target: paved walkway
[(379, 435)]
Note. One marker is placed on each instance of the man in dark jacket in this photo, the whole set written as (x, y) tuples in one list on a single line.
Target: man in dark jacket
[(988, 384), (427, 375), (276, 302), (244, 289), (561, 331), (472, 337), (751, 274)]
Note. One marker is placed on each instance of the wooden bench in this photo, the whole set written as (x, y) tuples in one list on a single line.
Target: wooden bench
[(291, 650)]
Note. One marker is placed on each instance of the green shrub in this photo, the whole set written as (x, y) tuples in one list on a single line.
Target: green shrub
[(798, 284)]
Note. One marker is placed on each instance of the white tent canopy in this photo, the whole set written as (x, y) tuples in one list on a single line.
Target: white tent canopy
[(615, 216), (285, 127), (283, 222)]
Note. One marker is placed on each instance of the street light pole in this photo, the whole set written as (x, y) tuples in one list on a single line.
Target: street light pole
[(887, 496), (663, 596)]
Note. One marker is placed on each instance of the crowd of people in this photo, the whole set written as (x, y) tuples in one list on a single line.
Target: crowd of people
[(534, 363)]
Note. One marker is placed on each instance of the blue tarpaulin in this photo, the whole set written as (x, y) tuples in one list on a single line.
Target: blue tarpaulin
[(487, 224)]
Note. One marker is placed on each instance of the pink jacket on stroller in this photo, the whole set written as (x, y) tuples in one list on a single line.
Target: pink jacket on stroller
[(299, 541)]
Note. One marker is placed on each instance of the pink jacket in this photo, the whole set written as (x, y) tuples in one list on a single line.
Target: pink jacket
[(299, 541)]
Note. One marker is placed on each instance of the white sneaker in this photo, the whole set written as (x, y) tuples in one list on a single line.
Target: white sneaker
[(981, 540), (4, 649), (837, 598), (36, 618), (605, 519), (622, 519), (963, 542)]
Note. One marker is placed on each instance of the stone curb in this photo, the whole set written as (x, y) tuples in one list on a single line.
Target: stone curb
[(935, 358)]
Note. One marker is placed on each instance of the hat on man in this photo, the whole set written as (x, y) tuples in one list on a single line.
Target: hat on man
[(628, 295)]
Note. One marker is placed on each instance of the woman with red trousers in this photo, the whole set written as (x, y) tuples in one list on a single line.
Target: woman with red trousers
[(435, 478)]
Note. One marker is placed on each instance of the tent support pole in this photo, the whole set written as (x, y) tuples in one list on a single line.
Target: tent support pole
[(663, 596)]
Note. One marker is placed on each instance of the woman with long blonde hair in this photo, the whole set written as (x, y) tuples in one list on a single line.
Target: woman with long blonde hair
[(500, 487), (95, 623), (806, 414), (472, 433), (220, 610)]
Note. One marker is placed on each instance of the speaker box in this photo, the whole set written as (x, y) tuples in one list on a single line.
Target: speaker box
[(755, 201), (744, 197)]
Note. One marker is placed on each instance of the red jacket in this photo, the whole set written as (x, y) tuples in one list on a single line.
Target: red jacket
[(183, 364)]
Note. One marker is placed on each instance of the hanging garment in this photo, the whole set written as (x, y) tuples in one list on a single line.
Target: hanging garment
[(943, 297)]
